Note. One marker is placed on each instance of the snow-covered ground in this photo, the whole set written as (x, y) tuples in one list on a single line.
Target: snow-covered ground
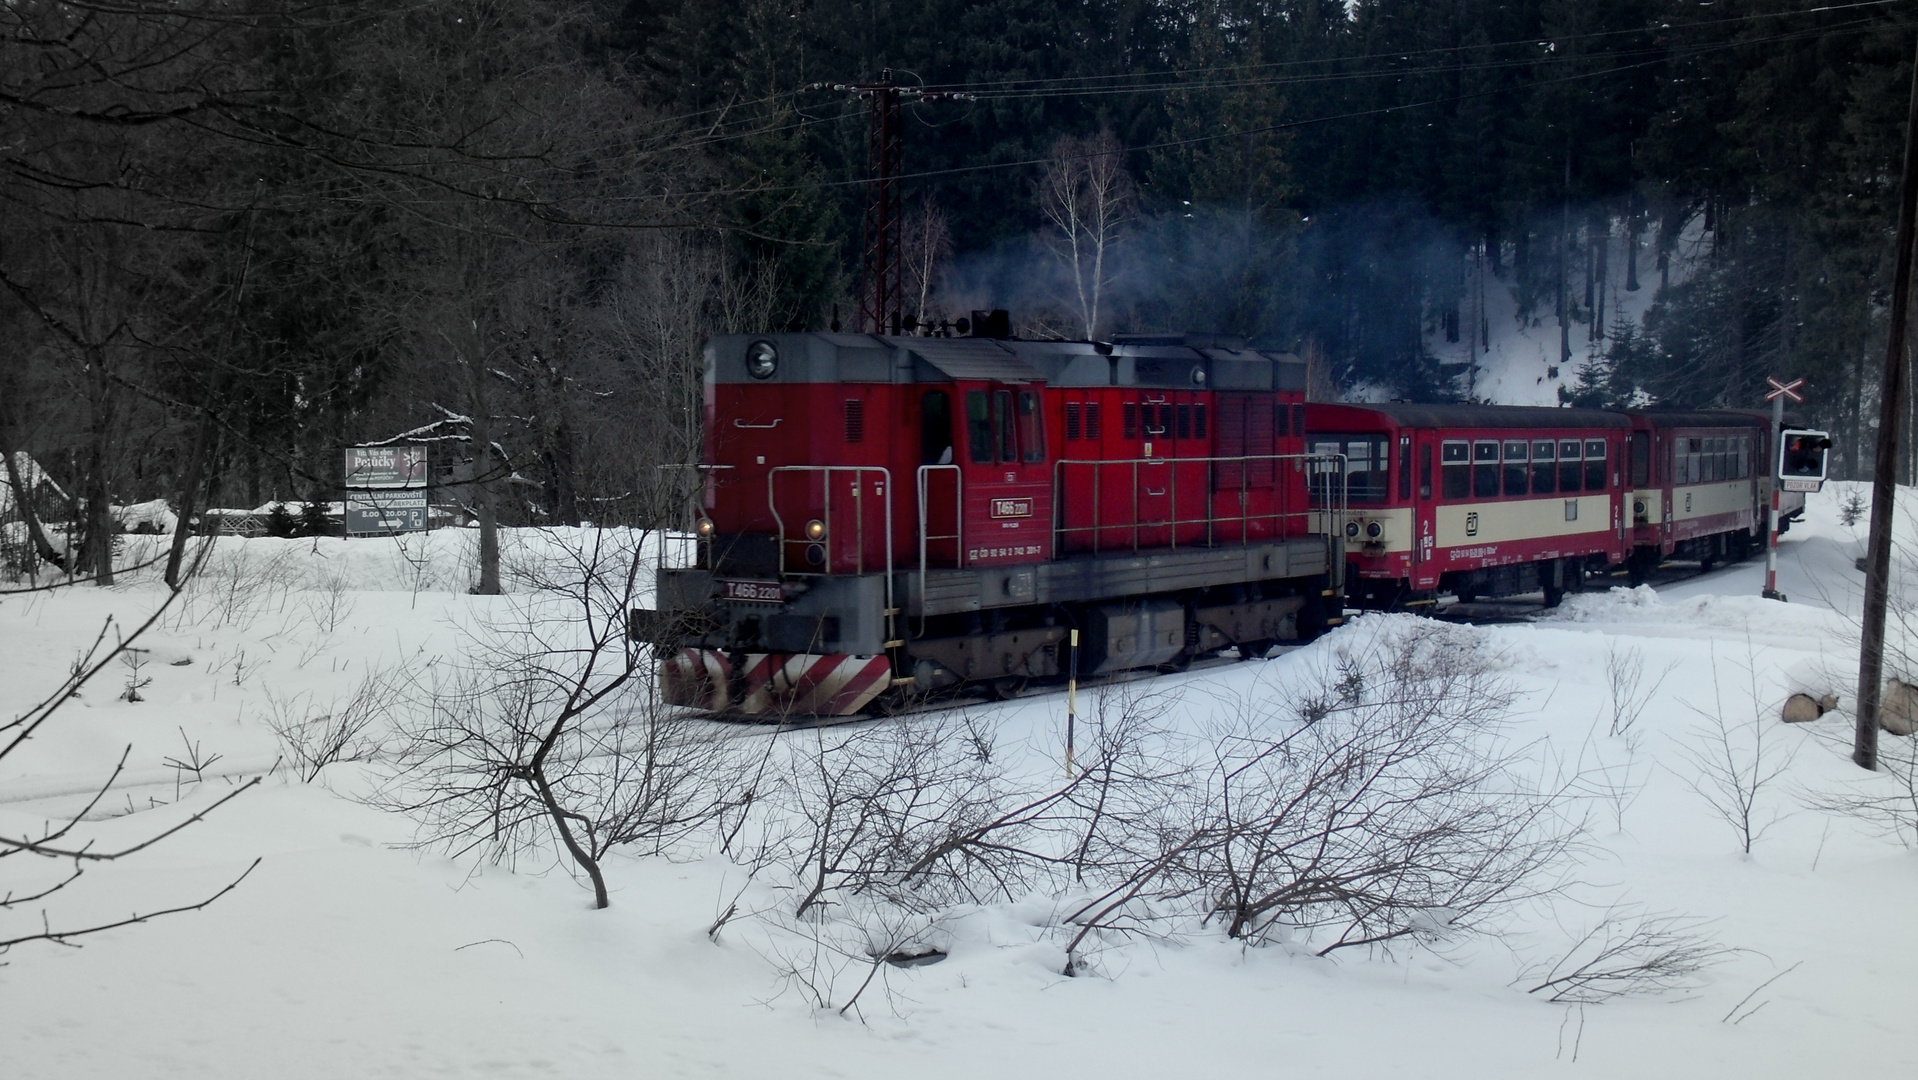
[(345, 953)]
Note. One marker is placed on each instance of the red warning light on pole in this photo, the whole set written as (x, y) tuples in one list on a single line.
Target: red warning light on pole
[(1785, 389)]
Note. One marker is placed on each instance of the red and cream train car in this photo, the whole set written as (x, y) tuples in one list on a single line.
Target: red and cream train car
[(1474, 500)]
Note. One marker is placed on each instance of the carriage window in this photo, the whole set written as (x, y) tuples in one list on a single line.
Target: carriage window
[(1515, 468), (1641, 458), (1595, 465), (1485, 470), (1457, 472), (1367, 460), (935, 428), (1544, 471), (1002, 421), (1425, 471), (1568, 470), (1032, 427)]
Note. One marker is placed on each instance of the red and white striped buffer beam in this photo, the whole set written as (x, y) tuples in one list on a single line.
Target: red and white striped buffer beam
[(774, 684)]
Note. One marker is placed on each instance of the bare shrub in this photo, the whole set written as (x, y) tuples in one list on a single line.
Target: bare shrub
[(1736, 760), (1628, 690), (315, 736), (547, 734), (48, 861), (1384, 807), (1886, 799), (1630, 954)]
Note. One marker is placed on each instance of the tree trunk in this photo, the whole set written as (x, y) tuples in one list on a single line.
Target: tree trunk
[(189, 492), (23, 498)]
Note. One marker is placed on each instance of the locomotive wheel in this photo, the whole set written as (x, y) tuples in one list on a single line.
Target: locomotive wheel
[(1004, 689)]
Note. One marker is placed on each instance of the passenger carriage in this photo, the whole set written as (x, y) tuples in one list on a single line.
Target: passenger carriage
[(1475, 500)]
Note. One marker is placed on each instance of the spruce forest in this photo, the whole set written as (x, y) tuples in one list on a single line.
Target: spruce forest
[(239, 235)]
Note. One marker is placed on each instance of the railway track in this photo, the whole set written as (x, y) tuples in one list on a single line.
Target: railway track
[(1503, 611)]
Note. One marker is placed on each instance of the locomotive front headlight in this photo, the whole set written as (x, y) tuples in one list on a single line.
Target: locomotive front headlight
[(1352, 530), (815, 530), (1374, 530), (761, 359), (704, 527)]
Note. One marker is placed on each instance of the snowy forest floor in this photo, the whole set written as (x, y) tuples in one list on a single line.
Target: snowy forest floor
[(349, 953)]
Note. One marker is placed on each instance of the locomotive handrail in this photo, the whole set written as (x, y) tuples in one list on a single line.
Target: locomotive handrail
[(1334, 515), (958, 535), (738, 423), (859, 520)]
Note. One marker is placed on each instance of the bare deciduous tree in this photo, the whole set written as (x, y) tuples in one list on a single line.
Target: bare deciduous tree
[(1086, 194)]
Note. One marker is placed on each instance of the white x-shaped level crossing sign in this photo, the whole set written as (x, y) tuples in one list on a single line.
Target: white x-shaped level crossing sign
[(1785, 389)]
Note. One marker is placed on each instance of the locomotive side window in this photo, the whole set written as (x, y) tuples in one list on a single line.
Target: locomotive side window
[(1278, 419), (1456, 472), (1198, 420), (1485, 469), (935, 428), (1298, 419), (1129, 420), (1641, 458), (979, 440), (1544, 471), (1092, 419), (1568, 470), (1595, 465), (1072, 420), (1185, 421), (1032, 427), (1515, 467)]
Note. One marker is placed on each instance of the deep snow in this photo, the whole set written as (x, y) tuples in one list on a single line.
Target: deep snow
[(347, 954)]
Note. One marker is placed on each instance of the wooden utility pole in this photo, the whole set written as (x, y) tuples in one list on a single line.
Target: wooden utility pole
[(1884, 472)]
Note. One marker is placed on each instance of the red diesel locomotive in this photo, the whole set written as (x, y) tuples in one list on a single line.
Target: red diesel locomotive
[(885, 516)]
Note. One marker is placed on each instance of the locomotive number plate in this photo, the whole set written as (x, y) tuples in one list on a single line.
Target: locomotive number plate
[(1796, 484), (1011, 508), (754, 592)]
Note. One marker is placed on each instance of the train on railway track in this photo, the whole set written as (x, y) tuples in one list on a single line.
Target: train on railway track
[(882, 518)]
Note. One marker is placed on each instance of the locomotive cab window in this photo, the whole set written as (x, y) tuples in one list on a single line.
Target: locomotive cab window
[(1485, 469), (935, 428), (1568, 470), (980, 444), (1544, 466), (1456, 469), (1002, 420), (1515, 467), (1032, 428), (1595, 465)]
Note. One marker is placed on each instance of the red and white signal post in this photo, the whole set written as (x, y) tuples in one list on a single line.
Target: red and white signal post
[(1777, 395)]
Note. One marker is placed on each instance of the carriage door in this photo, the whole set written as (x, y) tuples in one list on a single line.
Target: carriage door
[(1007, 474), (1425, 455)]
